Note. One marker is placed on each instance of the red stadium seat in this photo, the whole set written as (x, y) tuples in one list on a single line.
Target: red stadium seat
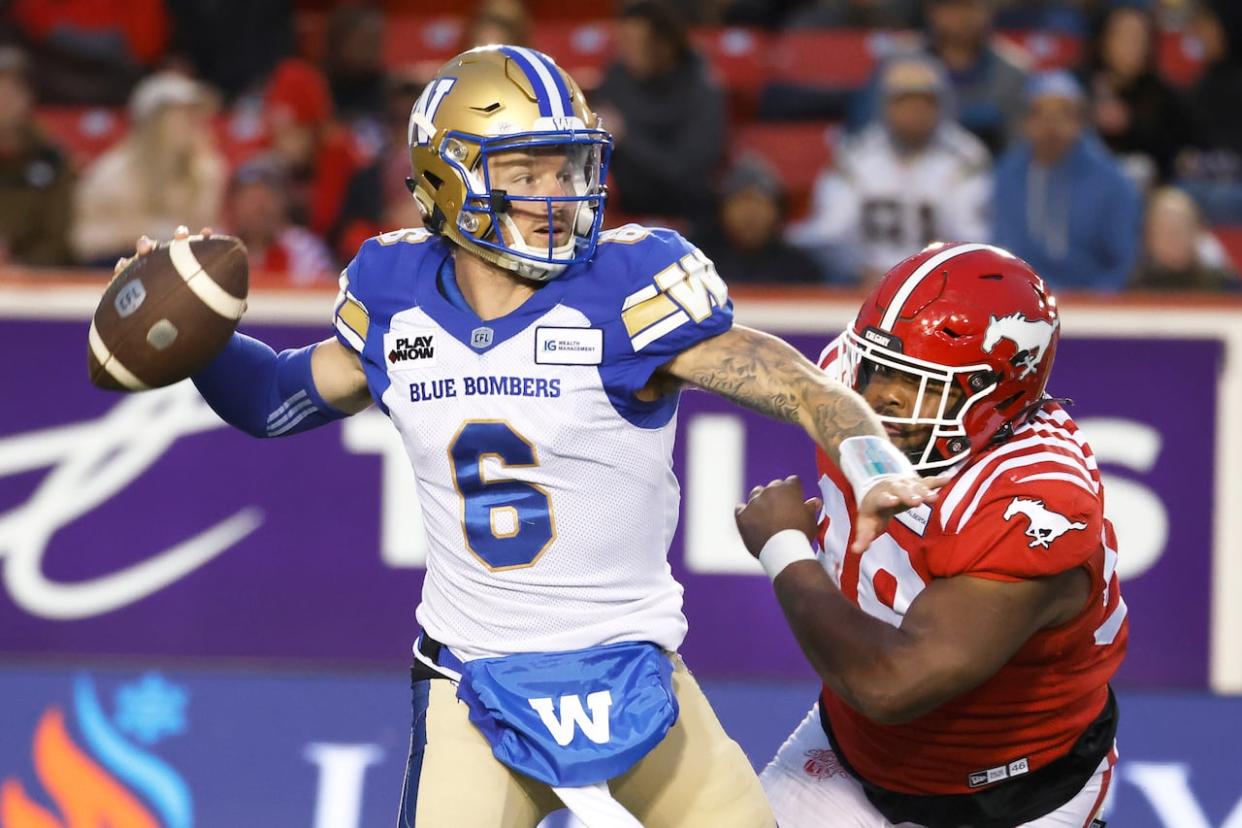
[(1230, 236), (739, 56), (84, 132), (1047, 50), (1180, 58), (838, 59), (581, 49), (798, 152), (410, 40)]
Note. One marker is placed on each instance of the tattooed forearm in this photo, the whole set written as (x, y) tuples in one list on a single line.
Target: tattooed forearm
[(765, 374)]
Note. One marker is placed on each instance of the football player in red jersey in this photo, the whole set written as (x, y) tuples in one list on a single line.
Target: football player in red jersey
[(966, 653)]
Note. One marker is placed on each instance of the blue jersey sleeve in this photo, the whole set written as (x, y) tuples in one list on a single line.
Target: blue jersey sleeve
[(349, 316), (367, 297), (672, 299)]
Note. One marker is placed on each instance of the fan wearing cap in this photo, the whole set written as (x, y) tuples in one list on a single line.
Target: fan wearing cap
[(966, 654), (1062, 202), (320, 155), (165, 172), (913, 177), (746, 240)]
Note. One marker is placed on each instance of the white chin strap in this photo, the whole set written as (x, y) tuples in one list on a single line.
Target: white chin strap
[(540, 271)]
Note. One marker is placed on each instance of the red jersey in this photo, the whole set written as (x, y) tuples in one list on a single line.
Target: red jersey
[(1028, 507)]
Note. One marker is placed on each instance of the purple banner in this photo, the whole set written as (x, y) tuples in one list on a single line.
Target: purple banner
[(140, 525)]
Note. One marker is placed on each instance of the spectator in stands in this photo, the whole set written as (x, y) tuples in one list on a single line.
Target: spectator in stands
[(1062, 202), (377, 198), (165, 172), (354, 62), (1212, 169), (987, 76), (36, 180), (1137, 113), (1178, 253), (497, 21), (666, 113), (1214, 98), (258, 214), (319, 154), (232, 45), (90, 51), (746, 242), (913, 177)]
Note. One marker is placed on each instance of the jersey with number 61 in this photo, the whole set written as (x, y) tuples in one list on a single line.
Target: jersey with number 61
[(546, 485), (1029, 507)]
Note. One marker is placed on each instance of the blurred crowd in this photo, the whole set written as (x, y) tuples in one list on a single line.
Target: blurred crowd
[(284, 123)]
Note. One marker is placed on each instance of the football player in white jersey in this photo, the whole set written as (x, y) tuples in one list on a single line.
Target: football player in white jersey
[(532, 366)]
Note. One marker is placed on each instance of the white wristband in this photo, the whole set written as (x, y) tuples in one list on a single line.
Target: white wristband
[(785, 547), (868, 460)]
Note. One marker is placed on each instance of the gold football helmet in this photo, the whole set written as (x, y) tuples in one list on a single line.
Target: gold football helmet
[(508, 99)]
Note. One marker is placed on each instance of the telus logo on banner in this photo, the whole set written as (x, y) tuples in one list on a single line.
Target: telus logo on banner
[(716, 473), (1166, 787), (90, 462)]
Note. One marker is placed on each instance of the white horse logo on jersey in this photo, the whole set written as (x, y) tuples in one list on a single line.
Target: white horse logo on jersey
[(1046, 526), (1031, 338)]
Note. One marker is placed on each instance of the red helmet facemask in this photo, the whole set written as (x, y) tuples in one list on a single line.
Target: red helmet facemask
[(958, 318)]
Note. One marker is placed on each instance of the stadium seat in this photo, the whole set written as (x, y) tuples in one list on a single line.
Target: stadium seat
[(581, 49), (739, 56), (1230, 236), (410, 40), (1180, 58), (834, 59), (84, 132), (798, 152), (1047, 50)]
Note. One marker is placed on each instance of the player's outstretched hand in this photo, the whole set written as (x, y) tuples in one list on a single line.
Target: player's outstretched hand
[(774, 508), (145, 245), (887, 498)]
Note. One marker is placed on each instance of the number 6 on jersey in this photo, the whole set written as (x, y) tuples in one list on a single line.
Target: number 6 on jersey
[(508, 523)]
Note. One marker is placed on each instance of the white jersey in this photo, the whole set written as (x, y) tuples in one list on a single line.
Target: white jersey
[(882, 206), (546, 486)]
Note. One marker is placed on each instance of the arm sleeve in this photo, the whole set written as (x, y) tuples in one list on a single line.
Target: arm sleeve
[(1010, 537), (262, 393)]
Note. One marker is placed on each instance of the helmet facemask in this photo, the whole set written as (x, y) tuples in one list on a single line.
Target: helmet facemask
[(489, 215), (934, 407)]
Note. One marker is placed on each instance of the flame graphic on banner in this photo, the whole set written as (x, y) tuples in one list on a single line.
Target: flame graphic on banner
[(90, 790), (84, 793)]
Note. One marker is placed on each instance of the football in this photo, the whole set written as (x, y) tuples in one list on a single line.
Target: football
[(167, 314)]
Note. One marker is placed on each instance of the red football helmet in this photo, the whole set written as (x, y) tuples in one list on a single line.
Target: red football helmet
[(968, 316)]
